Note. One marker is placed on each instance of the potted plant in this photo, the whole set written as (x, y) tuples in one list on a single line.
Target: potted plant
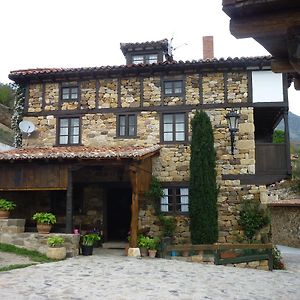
[(56, 249), (87, 243), (5, 207), (151, 244), (142, 244), (44, 221)]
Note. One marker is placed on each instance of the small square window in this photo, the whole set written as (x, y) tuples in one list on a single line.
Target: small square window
[(127, 126), (175, 200), (69, 93), (173, 88)]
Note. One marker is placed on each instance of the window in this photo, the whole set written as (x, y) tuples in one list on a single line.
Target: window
[(69, 93), (174, 127), (69, 131), (175, 200), (127, 125), (173, 88), (144, 59)]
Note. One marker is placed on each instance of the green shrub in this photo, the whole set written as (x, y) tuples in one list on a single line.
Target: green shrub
[(55, 241), (6, 204), (90, 238), (278, 137), (168, 225), (203, 190), (253, 218), (142, 241), (277, 259), (155, 193), (44, 218)]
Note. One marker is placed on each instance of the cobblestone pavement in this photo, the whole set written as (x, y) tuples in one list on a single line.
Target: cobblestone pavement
[(109, 276)]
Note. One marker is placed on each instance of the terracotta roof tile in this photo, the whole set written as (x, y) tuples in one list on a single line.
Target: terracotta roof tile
[(81, 152), (104, 70)]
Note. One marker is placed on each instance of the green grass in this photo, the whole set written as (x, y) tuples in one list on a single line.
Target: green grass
[(33, 255), (12, 267)]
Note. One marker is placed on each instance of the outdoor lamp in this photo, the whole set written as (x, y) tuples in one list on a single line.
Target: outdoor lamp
[(233, 120)]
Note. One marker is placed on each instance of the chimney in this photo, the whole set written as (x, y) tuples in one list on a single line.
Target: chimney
[(208, 47)]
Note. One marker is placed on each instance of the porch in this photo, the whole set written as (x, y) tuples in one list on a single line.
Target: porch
[(87, 189)]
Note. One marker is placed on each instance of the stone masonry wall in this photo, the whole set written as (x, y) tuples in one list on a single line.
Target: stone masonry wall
[(99, 129)]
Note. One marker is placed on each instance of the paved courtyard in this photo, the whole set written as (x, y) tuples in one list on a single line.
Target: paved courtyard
[(108, 276)]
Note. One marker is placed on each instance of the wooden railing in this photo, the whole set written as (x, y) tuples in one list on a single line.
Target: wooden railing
[(250, 252), (270, 158)]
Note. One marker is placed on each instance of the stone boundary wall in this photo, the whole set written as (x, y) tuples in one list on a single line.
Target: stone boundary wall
[(12, 232), (285, 219)]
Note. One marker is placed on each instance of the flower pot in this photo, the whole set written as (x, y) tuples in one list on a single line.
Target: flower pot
[(56, 252), (152, 253), (144, 251), (4, 214), (86, 250), (185, 253), (43, 228)]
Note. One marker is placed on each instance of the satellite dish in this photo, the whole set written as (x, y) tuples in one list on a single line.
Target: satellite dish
[(26, 127)]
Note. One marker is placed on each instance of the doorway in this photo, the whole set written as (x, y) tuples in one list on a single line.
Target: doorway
[(118, 214)]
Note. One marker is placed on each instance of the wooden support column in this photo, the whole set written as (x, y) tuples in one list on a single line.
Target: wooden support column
[(69, 204), (287, 141), (134, 207)]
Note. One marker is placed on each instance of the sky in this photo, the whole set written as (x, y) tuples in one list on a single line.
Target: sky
[(88, 33)]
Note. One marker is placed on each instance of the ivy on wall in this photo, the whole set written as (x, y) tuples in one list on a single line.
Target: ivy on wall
[(18, 114)]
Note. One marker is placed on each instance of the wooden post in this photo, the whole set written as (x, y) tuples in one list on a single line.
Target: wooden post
[(134, 208), (69, 204)]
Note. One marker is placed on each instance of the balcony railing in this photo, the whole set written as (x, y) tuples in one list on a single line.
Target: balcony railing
[(271, 159)]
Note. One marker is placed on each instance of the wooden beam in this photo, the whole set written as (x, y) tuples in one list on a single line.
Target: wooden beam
[(69, 204), (297, 83), (273, 24), (134, 174), (281, 66)]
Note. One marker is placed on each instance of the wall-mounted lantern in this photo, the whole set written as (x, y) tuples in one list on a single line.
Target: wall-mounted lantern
[(233, 121)]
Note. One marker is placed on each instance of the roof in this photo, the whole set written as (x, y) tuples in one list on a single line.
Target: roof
[(157, 45), (79, 152), (205, 64)]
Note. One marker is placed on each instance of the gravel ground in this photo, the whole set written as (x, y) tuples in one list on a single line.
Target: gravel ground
[(109, 276)]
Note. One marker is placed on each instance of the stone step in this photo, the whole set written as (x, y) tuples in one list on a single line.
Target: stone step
[(114, 245)]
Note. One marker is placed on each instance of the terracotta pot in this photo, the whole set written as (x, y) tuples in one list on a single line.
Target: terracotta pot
[(56, 252), (144, 251), (43, 228), (4, 214), (185, 253), (152, 253)]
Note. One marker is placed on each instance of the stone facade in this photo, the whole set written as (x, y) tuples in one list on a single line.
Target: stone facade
[(143, 96)]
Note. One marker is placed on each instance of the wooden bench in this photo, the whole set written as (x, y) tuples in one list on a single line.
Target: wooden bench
[(256, 252)]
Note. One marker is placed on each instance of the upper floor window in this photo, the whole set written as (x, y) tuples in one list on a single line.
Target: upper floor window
[(127, 125), (174, 127), (144, 59), (69, 92), (175, 200), (69, 131), (173, 87)]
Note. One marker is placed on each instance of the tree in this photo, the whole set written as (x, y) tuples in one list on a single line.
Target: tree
[(278, 137), (7, 95), (203, 190)]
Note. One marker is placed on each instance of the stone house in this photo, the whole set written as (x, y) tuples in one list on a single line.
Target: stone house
[(102, 132)]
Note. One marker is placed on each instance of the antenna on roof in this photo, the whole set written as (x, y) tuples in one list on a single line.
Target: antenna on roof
[(171, 49)]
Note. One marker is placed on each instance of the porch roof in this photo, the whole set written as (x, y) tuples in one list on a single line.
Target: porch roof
[(79, 152)]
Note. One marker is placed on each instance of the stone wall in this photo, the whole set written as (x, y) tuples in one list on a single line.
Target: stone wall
[(285, 216), (99, 128)]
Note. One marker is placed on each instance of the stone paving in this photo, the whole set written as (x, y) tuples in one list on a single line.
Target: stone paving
[(108, 276)]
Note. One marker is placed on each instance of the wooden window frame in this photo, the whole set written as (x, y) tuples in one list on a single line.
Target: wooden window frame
[(127, 136), (145, 58), (69, 87), (58, 135), (174, 141), (173, 82), (174, 196)]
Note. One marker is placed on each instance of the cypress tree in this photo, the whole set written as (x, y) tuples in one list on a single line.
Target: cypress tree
[(203, 190)]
